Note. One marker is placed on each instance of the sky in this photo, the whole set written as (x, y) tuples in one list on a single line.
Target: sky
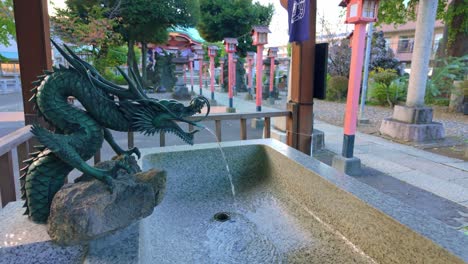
[(327, 9)]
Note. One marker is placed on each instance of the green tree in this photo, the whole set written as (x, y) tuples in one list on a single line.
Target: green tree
[(7, 22), (135, 21), (234, 18)]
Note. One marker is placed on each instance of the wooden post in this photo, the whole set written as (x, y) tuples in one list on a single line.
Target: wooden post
[(218, 129), (32, 35), (243, 129), (7, 179), (162, 139), (267, 128), (302, 79)]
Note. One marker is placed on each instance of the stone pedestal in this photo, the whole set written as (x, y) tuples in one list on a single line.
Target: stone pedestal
[(181, 91), (412, 124), (278, 132), (350, 166), (230, 109)]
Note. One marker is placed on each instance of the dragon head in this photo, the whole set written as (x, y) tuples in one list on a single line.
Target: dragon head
[(152, 116), (145, 114)]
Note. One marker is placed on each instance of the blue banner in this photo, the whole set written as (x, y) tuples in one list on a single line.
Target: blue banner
[(298, 15)]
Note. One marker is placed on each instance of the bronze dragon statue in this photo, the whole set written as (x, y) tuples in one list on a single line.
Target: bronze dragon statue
[(79, 133)]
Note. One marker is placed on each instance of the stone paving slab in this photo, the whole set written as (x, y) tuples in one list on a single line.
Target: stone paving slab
[(385, 165), (446, 189), (463, 165), (462, 182)]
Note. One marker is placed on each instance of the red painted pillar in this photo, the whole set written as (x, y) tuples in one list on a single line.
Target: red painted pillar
[(221, 75), (272, 75), (191, 73), (200, 73), (259, 77), (212, 76), (230, 79), (354, 84), (234, 72), (185, 74)]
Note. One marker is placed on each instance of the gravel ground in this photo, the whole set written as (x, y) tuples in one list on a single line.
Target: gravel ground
[(455, 124)]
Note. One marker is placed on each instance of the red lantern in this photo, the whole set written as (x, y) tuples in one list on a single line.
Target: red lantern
[(260, 35), (212, 51), (230, 44), (272, 52), (360, 11)]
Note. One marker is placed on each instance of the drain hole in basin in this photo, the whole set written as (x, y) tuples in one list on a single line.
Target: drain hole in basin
[(222, 217)]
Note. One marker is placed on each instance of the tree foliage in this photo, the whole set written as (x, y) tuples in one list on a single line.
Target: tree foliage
[(400, 11), (7, 22), (132, 21), (234, 18), (381, 56), (339, 58), (454, 15)]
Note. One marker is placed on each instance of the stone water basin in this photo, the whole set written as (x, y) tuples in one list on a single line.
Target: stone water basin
[(288, 208)]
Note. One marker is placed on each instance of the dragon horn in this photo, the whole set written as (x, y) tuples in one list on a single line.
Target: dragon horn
[(73, 62), (131, 85), (139, 86)]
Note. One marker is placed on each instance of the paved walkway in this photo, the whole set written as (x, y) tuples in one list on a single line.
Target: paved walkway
[(443, 176)]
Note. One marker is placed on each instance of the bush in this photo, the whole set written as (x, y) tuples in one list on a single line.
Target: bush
[(387, 87), (337, 87), (111, 76)]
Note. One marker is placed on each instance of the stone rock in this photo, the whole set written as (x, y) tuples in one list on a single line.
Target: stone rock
[(86, 210), (157, 180)]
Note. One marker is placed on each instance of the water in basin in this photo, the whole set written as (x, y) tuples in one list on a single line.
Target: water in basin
[(199, 222)]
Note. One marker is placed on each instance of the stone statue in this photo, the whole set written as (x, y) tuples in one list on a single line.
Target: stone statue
[(78, 134)]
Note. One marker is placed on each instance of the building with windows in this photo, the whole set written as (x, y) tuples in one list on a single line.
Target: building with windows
[(400, 38)]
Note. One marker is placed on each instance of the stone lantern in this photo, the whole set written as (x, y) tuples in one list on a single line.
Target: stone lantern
[(221, 73), (272, 53), (230, 45)]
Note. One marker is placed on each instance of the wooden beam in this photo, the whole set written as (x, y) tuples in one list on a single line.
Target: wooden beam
[(32, 36), (302, 81)]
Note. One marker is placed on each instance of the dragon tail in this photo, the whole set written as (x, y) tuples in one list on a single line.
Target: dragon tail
[(38, 187)]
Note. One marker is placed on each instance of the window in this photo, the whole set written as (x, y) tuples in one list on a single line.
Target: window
[(437, 39), (368, 9), (387, 43), (405, 44)]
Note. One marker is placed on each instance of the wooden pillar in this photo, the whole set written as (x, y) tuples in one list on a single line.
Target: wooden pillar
[(302, 79), (32, 35)]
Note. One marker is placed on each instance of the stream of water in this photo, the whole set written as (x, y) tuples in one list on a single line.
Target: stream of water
[(233, 190)]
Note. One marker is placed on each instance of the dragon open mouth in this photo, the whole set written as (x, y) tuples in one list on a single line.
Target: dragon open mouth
[(156, 116)]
